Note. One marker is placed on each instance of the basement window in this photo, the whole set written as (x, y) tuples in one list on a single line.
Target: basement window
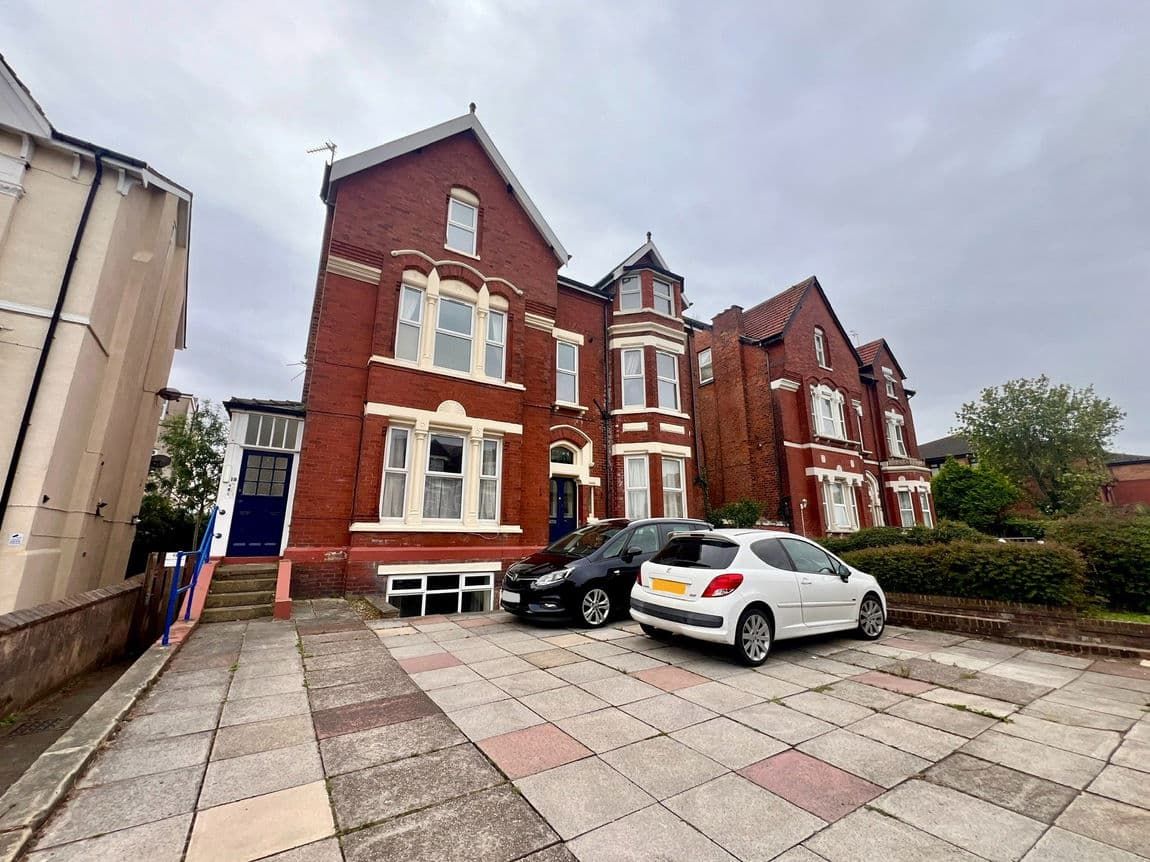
[(446, 593)]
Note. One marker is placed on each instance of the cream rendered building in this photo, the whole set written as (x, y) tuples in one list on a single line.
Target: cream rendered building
[(93, 285)]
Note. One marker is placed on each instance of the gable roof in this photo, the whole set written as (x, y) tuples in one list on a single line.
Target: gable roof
[(18, 110), (645, 256), (944, 447), (869, 352), (768, 319), (469, 122)]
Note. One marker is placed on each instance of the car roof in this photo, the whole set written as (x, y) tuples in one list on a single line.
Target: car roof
[(745, 536), (670, 521)]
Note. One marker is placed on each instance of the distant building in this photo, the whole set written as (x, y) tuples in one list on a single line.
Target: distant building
[(93, 289), (936, 452)]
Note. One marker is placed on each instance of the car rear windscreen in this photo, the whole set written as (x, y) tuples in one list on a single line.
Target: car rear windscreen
[(697, 552)]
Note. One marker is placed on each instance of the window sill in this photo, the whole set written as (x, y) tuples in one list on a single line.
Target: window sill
[(444, 372), (648, 309), (662, 411), (397, 527), (462, 252), (706, 382), (567, 405), (825, 367)]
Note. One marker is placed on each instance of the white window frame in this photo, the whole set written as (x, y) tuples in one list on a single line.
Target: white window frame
[(489, 342), (416, 324), (479, 582), (888, 376), (641, 376), (896, 438), (628, 488), (924, 502), (404, 471), (488, 478), (671, 493), (630, 297), (272, 431), (561, 372), (833, 401), (821, 348), (906, 513), (449, 333), (841, 515), (461, 476), (453, 202), (709, 365), (668, 298), (660, 379)]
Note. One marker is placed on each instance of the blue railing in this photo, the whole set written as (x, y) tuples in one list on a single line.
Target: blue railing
[(200, 556)]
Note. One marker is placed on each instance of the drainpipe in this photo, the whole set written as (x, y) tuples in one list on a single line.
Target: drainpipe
[(605, 414), (49, 336), (700, 452)]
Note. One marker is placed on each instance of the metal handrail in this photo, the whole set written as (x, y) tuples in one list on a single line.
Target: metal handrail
[(200, 555)]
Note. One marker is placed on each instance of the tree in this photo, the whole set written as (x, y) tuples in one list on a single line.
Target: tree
[(978, 497), (1050, 440), (195, 443)]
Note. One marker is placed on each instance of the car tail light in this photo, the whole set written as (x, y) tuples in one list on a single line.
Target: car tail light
[(639, 577), (723, 585)]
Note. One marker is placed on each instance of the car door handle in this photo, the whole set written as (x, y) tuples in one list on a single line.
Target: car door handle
[(806, 581)]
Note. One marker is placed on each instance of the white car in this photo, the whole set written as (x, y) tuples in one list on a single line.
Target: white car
[(748, 588)]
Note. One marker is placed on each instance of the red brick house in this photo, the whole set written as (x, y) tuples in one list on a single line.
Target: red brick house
[(792, 415), (466, 403)]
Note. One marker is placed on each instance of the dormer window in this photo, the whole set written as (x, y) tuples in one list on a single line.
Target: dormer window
[(664, 303), (821, 348), (888, 375), (630, 294), (463, 222)]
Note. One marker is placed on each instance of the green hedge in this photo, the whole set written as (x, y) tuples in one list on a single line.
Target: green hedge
[(1116, 548), (1035, 574), (881, 537)]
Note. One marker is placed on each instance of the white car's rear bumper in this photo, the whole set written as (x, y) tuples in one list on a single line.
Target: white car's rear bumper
[(682, 618)]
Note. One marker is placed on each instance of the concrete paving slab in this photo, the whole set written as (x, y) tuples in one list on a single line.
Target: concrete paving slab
[(918, 739), (326, 850), (667, 712), (415, 650), (617, 690), (732, 744), (261, 669), (430, 680), (161, 841), (767, 687), (652, 833), (263, 686), (631, 662), (200, 695), (111, 807), (430, 661), (974, 703), (578, 673), (1080, 740), (1075, 716), (553, 657), (869, 696), (1097, 704), (1123, 784), (380, 792), (811, 784), (372, 713), (582, 796), (1036, 673), (925, 670), (795, 674), (528, 682), (1020, 792), (358, 692), (257, 736), (1060, 845), (116, 762), (877, 763), (1133, 754), (1064, 767), (262, 825), (375, 746), (598, 650), (1001, 688), (989, 831), (177, 722), (893, 682), (829, 709), (455, 697), (1115, 823), (1071, 661), (262, 708), (739, 829), (172, 681), (1133, 683), (497, 667), (605, 729), (719, 697), (663, 766), (533, 749), (494, 825), (257, 774), (866, 836), (557, 703), (492, 719), (781, 722)]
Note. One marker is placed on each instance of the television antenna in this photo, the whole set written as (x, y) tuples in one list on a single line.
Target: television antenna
[(326, 145)]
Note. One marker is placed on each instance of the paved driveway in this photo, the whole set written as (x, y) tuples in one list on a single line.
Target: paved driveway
[(485, 738)]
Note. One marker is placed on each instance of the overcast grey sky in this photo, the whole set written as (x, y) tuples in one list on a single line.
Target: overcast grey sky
[(967, 179)]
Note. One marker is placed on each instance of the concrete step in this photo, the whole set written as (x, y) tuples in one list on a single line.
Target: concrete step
[(235, 612), (246, 570), (230, 600), (243, 585)]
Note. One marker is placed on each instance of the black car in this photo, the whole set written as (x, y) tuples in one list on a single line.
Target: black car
[(588, 574)]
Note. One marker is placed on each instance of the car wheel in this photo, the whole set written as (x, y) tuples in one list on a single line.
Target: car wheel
[(753, 637), (594, 607), (657, 634), (872, 620)]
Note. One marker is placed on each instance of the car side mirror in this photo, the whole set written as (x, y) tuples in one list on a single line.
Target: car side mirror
[(630, 554), (844, 573)]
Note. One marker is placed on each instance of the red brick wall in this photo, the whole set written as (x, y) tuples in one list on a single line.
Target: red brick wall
[(1131, 484)]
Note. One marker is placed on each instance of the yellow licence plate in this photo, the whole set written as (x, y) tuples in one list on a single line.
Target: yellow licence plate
[(668, 586)]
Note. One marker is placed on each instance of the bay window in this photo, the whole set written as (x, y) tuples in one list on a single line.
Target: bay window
[(630, 294), (396, 466), (410, 325), (634, 383), (664, 303), (906, 508), (462, 226), (667, 373), (637, 486), (443, 480), (453, 332), (924, 503), (489, 473), (566, 372), (674, 492), (493, 358)]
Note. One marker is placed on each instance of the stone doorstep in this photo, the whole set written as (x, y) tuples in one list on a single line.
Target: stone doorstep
[(35, 795)]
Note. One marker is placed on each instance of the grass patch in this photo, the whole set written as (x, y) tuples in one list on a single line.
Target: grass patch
[(903, 671), (962, 707), (823, 688), (235, 666), (10, 719), (970, 674), (1121, 616)]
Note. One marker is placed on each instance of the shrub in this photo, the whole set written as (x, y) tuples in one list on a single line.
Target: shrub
[(1116, 548), (1035, 574), (979, 497), (881, 537), (744, 513), (1015, 527)]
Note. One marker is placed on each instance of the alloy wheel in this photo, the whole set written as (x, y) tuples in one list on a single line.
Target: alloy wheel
[(756, 637), (596, 606), (871, 618)]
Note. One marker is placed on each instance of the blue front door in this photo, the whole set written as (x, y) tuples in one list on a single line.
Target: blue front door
[(564, 508), (261, 504)]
